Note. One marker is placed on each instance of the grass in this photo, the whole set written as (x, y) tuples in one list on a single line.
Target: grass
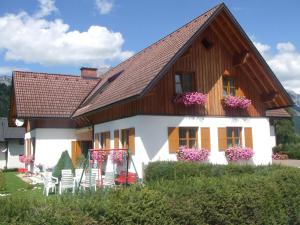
[(16, 186)]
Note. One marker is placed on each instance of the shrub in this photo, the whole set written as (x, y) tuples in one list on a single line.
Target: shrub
[(214, 195), (2, 181), (292, 150), (177, 170), (64, 162)]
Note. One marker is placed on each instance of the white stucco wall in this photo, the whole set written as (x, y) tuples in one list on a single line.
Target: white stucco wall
[(151, 136), (50, 143)]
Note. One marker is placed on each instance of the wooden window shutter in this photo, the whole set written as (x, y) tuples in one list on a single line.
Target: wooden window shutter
[(107, 140), (222, 138), (241, 137), (173, 139), (248, 137), (205, 138), (131, 138), (116, 139), (97, 145)]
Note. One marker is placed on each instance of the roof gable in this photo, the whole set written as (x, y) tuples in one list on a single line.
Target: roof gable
[(141, 70)]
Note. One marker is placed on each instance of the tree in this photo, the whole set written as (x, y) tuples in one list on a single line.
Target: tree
[(285, 132), (4, 99), (63, 163)]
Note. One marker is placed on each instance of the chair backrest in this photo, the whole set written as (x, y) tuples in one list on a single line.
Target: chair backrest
[(47, 177), (66, 177), (91, 178), (109, 178)]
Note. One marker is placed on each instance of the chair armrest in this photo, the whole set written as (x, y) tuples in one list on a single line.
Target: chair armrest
[(56, 179)]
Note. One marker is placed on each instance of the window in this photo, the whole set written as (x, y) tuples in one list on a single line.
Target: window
[(233, 135), (104, 140), (188, 136), (183, 82), (125, 138), (128, 139), (228, 86)]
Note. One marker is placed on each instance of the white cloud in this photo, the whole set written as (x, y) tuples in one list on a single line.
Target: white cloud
[(46, 8), (51, 42), (104, 6), (8, 70), (285, 62)]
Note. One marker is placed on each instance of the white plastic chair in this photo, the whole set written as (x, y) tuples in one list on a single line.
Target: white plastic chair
[(78, 173), (67, 181), (109, 179), (49, 183), (89, 181)]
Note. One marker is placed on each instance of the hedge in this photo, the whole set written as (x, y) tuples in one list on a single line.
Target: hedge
[(178, 170), (2, 181), (240, 195)]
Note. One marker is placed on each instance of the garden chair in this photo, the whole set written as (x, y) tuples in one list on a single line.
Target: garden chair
[(89, 181), (78, 173), (109, 179), (50, 183), (67, 181)]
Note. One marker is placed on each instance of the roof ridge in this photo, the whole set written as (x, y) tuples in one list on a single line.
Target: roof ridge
[(166, 36), (47, 74), (148, 47)]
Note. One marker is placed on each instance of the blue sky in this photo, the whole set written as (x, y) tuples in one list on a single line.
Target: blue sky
[(63, 35)]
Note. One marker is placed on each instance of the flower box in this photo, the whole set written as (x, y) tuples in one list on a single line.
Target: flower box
[(238, 154), (235, 102), (191, 98), (192, 154)]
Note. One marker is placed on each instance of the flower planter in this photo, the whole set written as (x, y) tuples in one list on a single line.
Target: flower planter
[(238, 155), (236, 103), (191, 98), (192, 154)]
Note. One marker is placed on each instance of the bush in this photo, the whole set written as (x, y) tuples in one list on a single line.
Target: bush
[(2, 181), (292, 150), (208, 195), (10, 170), (177, 170), (63, 163)]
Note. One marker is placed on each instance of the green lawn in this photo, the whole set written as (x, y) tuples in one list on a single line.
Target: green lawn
[(15, 186)]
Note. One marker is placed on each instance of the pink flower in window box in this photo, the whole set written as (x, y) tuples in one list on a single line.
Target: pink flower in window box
[(239, 153), (192, 154), (191, 98), (236, 102)]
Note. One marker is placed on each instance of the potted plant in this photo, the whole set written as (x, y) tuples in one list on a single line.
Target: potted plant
[(192, 154), (118, 157), (239, 155), (235, 102), (191, 98)]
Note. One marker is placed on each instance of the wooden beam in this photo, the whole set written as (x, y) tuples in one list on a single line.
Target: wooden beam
[(269, 97), (241, 59), (258, 87), (224, 37), (222, 25), (227, 23), (256, 77)]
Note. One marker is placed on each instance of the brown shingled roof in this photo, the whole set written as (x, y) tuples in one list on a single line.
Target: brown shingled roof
[(145, 67), (49, 95)]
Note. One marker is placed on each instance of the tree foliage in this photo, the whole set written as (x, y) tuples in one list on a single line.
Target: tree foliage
[(285, 132), (4, 99)]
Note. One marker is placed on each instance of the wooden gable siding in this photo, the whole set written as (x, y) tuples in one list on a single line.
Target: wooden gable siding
[(209, 66)]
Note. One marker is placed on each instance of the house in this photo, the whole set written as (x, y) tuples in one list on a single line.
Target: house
[(11, 145), (132, 105)]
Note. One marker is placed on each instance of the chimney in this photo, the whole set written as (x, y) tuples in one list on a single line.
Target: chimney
[(89, 73)]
